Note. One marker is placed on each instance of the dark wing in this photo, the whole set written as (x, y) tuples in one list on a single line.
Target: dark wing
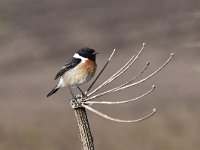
[(69, 65)]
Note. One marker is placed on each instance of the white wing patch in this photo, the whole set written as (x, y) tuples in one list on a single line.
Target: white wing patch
[(61, 83)]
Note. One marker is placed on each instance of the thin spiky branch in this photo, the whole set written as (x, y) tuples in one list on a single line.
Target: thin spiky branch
[(106, 82), (82, 102), (139, 74), (132, 84), (121, 102), (119, 120), (100, 72), (126, 67), (120, 71), (132, 79), (86, 101)]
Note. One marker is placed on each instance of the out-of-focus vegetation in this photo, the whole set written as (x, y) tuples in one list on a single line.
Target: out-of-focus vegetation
[(37, 37)]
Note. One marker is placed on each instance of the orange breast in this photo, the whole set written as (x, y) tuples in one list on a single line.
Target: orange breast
[(83, 73), (90, 66)]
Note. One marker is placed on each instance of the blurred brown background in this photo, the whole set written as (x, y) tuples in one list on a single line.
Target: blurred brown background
[(37, 37)]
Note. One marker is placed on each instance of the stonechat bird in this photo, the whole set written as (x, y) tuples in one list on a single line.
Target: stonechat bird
[(78, 70)]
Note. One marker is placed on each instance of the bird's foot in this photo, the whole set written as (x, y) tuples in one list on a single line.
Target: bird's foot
[(76, 103)]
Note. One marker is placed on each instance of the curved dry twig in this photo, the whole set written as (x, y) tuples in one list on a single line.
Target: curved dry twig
[(121, 102), (133, 84), (120, 71), (119, 120), (106, 82), (82, 102), (135, 77), (139, 74), (100, 71), (86, 101)]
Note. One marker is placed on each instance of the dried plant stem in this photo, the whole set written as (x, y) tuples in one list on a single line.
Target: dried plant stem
[(84, 128), (119, 120), (104, 67), (82, 102), (121, 87), (120, 71), (121, 102)]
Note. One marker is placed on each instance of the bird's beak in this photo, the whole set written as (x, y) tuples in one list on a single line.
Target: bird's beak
[(96, 53)]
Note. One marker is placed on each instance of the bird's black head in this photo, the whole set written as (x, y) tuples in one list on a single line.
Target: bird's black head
[(87, 53)]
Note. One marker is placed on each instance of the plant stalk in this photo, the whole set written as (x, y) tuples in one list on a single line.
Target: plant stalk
[(84, 128)]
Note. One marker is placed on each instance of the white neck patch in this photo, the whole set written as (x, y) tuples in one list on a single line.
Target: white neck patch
[(83, 59)]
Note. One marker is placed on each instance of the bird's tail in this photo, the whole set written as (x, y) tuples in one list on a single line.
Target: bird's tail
[(53, 91)]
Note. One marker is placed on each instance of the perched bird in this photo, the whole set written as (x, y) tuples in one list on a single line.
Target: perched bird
[(78, 70)]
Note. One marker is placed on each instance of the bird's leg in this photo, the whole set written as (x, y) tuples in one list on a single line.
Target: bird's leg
[(74, 101), (83, 94), (72, 93)]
